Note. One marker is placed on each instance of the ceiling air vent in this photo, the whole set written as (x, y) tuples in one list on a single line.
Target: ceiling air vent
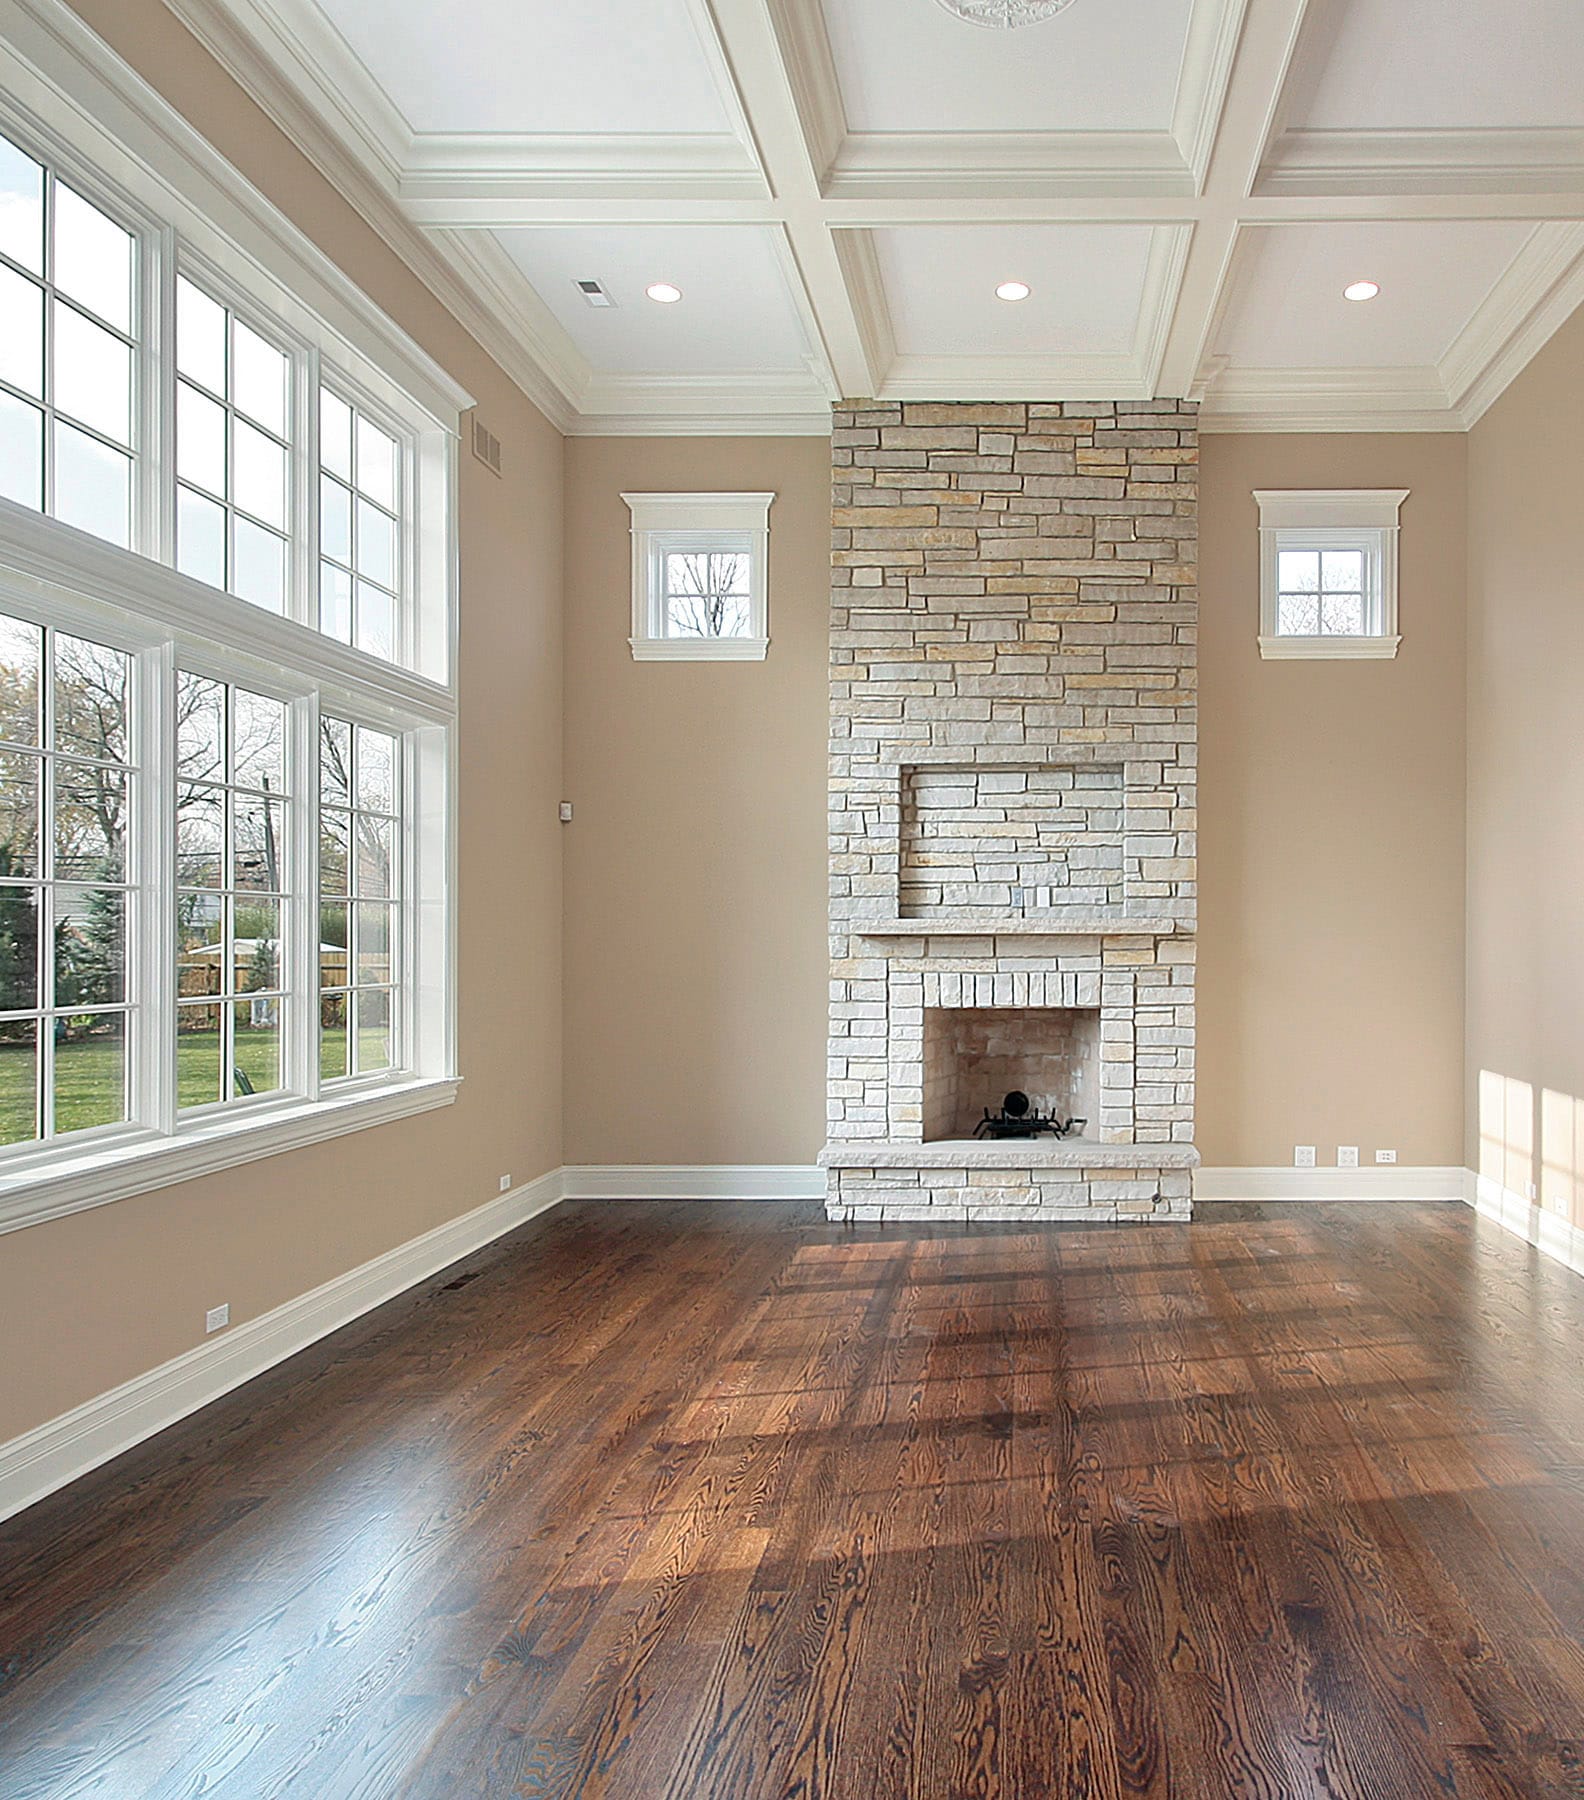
[(486, 446), (594, 293)]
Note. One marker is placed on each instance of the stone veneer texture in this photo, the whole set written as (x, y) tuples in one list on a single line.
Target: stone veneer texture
[(1012, 788)]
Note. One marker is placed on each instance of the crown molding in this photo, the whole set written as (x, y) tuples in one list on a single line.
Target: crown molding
[(860, 266), (489, 166), (877, 166), (1304, 400), (1114, 376), (1536, 295), (748, 404), (810, 68), (1163, 275), (1305, 162), (1215, 28)]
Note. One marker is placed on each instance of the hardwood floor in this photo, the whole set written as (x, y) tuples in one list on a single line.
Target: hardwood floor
[(712, 1502)]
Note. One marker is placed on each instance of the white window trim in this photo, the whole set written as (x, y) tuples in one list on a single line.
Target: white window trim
[(1362, 519), (667, 522)]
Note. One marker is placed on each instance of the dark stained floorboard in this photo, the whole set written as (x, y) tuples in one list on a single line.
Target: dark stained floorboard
[(717, 1502)]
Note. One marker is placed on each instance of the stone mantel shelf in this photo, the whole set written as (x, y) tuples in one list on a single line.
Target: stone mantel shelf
[(1095, 925), (1018, 1153)]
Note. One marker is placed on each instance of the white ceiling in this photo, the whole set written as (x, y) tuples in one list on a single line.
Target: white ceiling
[(838, 185)]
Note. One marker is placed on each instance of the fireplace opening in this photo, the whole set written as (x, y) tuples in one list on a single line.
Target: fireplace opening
[(975, 1056)]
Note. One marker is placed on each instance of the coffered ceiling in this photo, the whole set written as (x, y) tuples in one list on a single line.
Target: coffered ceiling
[(838, 186)]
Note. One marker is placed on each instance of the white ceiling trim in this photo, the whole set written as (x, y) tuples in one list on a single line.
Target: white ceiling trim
[(1405, 399), (986, 165), (1119, 376), (746, 404), (486, 165), (1541, 289), (1214, 30), (1346, 163)]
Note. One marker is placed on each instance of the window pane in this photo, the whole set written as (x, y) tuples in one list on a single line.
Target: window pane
[(200, 727), (258, 378), (373, 943), (335, 762), (90, 822), (21, 452), (256, 1041), (200, 440), (1297, 615), (1342, 571), (1298, 571), (375, 1050), (21, 653), (258, 967), (259, 852), (335, 602), (260, 566), (376, 622), (376, 545), (335, 520), (18, 951), (93, 485), (259, 754), (90, 1073), (332, 1037), (335, 434), (198, 1055), (200, 945), (21, 208), (258, 475), (376, 464), (93, 259), (200, 537), (376, 857), (93, 375), (91, 699), (1342, 615), (19, 813), (335, 960), (90, 946), (21, 332), (200, 336), (334, 833), (18, 1081), (706, 594), (200, 836), (376, 770)]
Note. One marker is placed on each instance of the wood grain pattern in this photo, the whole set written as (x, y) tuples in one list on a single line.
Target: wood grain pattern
[(718, 1502)]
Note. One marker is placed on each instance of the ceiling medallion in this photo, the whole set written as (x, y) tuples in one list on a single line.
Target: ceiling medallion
[(1004, 14)]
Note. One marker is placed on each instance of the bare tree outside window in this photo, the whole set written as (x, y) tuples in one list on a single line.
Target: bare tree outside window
[(707, 593)]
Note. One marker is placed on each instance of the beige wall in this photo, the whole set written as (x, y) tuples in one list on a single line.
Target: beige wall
[(94, 1299), (695, 871), (1526, 782), (1331, 831)]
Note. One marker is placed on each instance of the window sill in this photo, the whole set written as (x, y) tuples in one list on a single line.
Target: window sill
[(1328, 649), (140, 1163), (741, 649)]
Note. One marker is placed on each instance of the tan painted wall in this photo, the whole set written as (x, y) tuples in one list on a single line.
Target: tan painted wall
[(1526, 782), (695, 872), (1331, 831), (92, 1300)]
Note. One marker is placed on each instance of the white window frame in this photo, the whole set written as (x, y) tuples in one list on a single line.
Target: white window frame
[(1361, 519), (67, 100), (662, 525)]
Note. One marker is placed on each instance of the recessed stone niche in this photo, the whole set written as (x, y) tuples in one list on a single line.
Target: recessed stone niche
[(975, 1056)]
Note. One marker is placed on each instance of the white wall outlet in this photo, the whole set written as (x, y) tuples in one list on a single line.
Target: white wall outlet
[(1347, 1156), (1384, 1156), (1303, 1156), (505, 1184), (217, 1317), (564, 811)]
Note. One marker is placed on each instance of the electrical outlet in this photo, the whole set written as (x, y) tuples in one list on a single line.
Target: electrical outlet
[(1303, 1156), (217, 1317), (505, 1184), (1385, 1156), (1347, 1156), (564, 812)]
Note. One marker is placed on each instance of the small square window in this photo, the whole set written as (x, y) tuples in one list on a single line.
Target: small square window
[(1328, 572), (700, 576)]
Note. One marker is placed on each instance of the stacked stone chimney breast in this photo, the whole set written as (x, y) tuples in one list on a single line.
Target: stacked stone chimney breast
[(1012, 793)]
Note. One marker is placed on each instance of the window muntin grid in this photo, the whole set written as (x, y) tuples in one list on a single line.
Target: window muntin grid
[(69, 352), (1322, 592), (67, 786), (360, 809), (360, 529), (706, 592), (233, 892)]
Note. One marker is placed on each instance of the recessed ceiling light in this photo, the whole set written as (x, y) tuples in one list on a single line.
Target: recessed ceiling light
[(664, 292), (1361, 290), (1013, 290)]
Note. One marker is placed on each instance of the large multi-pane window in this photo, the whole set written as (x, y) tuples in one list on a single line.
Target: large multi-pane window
[(66, 790), (225, 725), (68, 353)]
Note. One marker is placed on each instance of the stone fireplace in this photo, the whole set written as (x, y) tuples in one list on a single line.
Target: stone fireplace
[(1012, 797)]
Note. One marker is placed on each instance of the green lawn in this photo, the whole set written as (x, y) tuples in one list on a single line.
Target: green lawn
[(88, 1077)]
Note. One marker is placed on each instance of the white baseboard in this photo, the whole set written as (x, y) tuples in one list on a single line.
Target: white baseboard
[(52, 1454), (681, 1181), (1551, 1235), (1387, 1181)]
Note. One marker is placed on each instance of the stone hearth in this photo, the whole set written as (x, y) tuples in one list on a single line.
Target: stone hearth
[(1012, 806)]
